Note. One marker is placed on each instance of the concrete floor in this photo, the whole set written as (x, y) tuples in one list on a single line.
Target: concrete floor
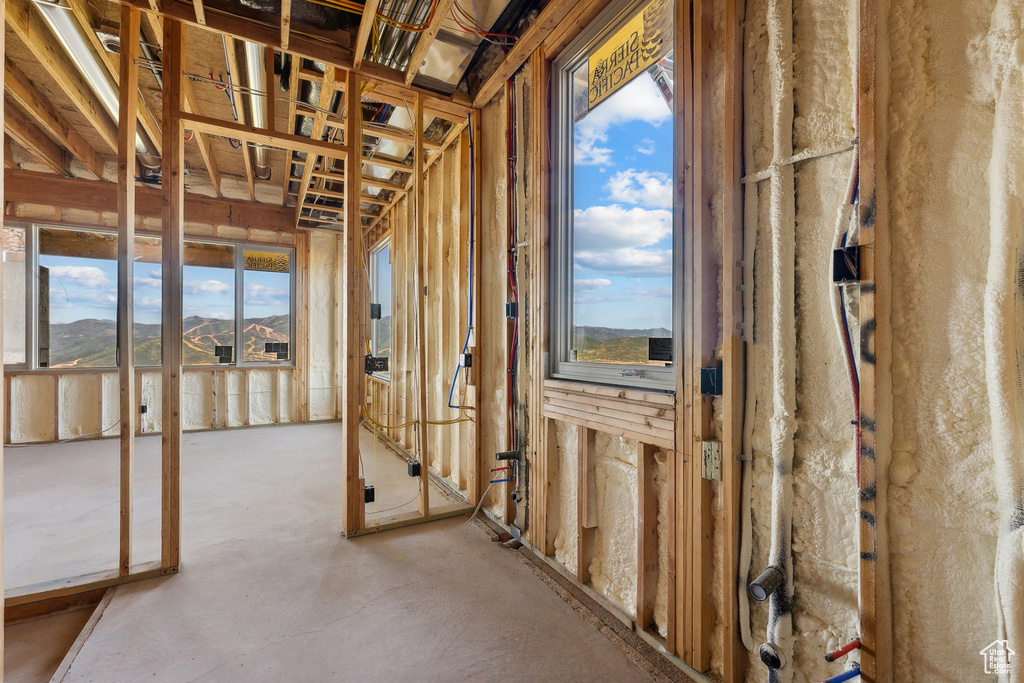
[(269, 590), (56, 532)]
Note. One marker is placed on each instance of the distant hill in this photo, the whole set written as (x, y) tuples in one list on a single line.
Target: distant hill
[(90, 343), (615, 345)]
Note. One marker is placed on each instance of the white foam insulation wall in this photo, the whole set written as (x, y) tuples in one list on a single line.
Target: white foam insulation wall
[(50, 405)]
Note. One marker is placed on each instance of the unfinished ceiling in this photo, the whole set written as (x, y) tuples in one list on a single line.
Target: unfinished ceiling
[(272, 65)]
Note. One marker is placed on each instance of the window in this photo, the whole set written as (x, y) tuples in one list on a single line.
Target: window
[(66, 315), (615, 214), (267, 305), (380, 293), (208, 304), (76, 279)]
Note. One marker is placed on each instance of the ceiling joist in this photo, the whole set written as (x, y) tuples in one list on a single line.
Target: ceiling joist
[(232, 56), (316, 133), (25, 21), (261, 136), (47, 117), (29, 136), (363, 34)]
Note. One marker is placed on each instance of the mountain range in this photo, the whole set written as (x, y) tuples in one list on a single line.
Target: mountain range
[(91, 343)]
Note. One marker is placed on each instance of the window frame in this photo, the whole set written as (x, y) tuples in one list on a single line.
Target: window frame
[(374, 288), (561, 365), (32, 297)]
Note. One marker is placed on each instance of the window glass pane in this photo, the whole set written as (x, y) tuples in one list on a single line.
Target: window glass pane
[(77, 280), (621, 221), (147, 301), (14, 294), (268, 304), (381, 294), (208, 304)]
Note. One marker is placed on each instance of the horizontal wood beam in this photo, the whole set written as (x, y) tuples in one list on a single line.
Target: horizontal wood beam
[(261, 136), (29, 136), (547, 20), (426, 39), (21, 90), (95, 195), (384, 161), (363, 34), (310, 47), (25, 21)]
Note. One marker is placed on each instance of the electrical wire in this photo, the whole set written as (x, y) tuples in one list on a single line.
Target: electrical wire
[(472, 248)]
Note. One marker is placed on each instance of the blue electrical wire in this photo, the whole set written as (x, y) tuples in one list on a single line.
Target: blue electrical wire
[(472, 245), (846, 327)]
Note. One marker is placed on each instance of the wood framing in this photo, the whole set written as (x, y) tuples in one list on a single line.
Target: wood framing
[(419, 229), (29, 136), (319, 118), (646, 537), (47, 117), (231, 51), (875, 431), (366, 25), (25, 22), (549, 18), (261, 136), (586, 503), (95, 195), (733, 356), (129, 79), (172, 263), (426, 39), (353, 507), (5, 417), (286, 23)]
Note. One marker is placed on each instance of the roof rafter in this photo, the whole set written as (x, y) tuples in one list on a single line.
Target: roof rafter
[(29, 136)]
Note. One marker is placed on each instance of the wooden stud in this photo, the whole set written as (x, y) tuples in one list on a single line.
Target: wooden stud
[(586, 503), (353, 507), (735, 656), (18, 87), (29, 136), (129, 78), (172, 262), (875, 420), (419, 229), (366, 24), (271, 96), (200, 12), (286, 23), (426, 39), (646, 537)]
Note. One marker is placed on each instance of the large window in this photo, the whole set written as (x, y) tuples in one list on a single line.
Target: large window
[(614, 208), (60, 296), (380, 293)]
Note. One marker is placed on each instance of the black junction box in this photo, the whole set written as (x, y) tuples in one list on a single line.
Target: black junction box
[(414, 468)]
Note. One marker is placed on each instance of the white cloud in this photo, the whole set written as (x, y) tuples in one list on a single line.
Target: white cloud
[(648, 188), (154, 279), (208, 287), (627, 295), (590, 285), (646, 146), (261, 295), (149, 303), (604, 228), (90, 277), (628, 261), (640, 100)]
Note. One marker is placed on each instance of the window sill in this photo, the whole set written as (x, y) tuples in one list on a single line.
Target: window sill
[(647, 416)]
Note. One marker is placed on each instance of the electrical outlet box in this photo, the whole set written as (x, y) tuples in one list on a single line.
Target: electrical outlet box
[(507, 455), (375, 364), (846, 264), (711, 460), (368, 494), (375, 311), (414, 468), (143, 408), (466, 360), (711, 381), (510, 309)]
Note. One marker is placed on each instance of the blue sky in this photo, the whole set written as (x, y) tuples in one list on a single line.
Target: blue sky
[(87, 288), (622, 210)]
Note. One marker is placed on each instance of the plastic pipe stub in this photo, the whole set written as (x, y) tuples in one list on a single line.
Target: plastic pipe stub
[(767, 583), (771, 656)]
